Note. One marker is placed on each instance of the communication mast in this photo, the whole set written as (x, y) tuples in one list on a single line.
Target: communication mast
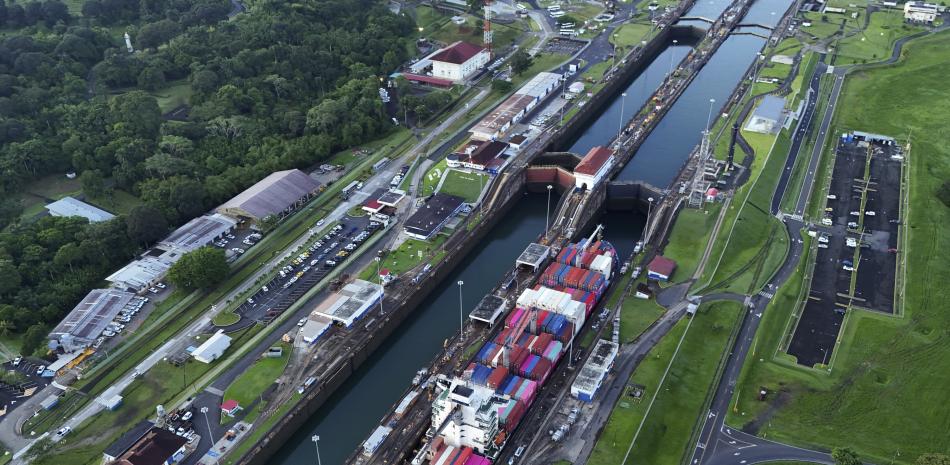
[(487, 35)]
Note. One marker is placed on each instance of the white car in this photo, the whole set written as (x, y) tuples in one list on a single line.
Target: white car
[(40, 370), (63, 431), (153, 290), (161, 285), (302, 321), (847, 267), (320, 223), (16, 361), (186, 416), (237, 250)]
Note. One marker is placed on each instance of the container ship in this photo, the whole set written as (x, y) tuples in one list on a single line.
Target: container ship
[(474, 413)]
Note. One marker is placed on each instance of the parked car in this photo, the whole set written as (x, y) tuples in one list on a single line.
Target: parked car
[(187, 416), (16, 361), (40, 369)]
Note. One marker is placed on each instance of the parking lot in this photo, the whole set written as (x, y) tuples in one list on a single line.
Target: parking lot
[(20, 379), (309, 266), (563, 46), (853, 240)]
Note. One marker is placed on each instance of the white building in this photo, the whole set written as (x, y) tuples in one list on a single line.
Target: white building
[(213, 348), (768, 116), (68, 206), (592, 375), (920, 12), (468, 415), (351, 303), (593, 167), (459, 61)]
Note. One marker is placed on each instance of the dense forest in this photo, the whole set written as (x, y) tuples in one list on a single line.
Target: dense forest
[(280, 85)]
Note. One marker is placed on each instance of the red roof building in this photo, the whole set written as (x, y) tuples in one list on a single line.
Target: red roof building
[(711, 194), (230, 407), (432, 81), (373, 206), (459, 61), (661, 268), (457, 53), (593, 167)]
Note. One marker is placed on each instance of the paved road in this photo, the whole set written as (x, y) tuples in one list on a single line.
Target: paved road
[(805, 193), (802, 134)]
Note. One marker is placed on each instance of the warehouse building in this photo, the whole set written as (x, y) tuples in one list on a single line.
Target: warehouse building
[(768, 115), (514, 108), (459, 61), (592, 375), (154, 264), (351, 303), (593, 167), (213, 348), (920, 12), (88, 319), (428, 220), (197, 233), (534, 256), (278, 194), (157, 446), (68, 206)]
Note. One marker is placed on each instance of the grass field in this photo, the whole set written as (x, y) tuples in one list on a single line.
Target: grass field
[(882, 395), (409, 254), (668, 428), (689, 237), (174, 95), (636, 315), (631, 34), (467, 185), (751, 238), (430, 180), (875, 43), (258, 377)]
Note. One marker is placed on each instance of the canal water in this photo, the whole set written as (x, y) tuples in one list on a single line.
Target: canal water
[(348, 417)]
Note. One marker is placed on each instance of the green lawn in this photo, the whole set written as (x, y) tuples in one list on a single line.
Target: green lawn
[(751, 238), (467, 185), (258, 377), (631, 34), (819, 28), (883, 395), (689, 237), (636, 315), (430, 180), (666, 434), (875, 43), (411, 253)]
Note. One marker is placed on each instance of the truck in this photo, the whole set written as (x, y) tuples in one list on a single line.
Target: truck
[(349, 189)]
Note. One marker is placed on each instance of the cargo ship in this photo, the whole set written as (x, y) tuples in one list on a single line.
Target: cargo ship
[(474, 413)]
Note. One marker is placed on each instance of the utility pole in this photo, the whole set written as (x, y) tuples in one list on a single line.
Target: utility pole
[(547, 214), (672, 54), (623, 101), (316, 441), (461, 319)]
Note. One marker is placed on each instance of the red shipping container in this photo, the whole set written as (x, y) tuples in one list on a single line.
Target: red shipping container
[(463, 456), (516, 358), (497, 376), (515, 417), (542, 370)]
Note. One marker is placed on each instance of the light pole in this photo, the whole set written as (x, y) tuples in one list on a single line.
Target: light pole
[(316, 442), (672, 54), (623, 100), (646, 232), (461, 319), (709, 115), (204, 411), (547, 214), (378, 259)]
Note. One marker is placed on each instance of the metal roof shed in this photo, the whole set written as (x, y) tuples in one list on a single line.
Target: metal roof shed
[(68, 206), (213, 348), (276, 194)]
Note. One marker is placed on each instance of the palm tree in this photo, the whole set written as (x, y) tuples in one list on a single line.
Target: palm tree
[(5, 327)]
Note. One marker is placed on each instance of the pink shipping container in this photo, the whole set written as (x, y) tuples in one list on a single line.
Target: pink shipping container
[(476, 459), (514, 318)]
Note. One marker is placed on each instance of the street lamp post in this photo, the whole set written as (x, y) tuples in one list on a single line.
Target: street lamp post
[(547, 213), (204, 411), (378, 259), (316, 441), (646, 232), (461, 319), (672, 55), (623, 100), (709, 115)]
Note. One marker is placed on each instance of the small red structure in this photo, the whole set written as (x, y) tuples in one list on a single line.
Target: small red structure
[(230, 407), (712, 194), (661, 268)]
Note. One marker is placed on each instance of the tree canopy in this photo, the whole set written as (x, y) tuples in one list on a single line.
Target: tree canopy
[(199, 269)]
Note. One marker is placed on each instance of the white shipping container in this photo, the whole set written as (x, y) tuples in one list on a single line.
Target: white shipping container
[(602, 264)]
